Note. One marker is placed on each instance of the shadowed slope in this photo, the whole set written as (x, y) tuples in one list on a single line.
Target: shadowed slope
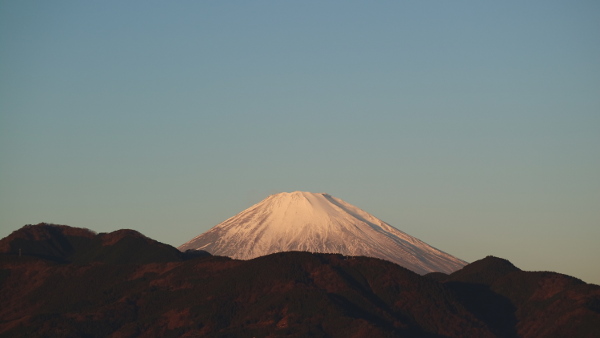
[(290, 294), (484, 271), (528, 304), (63, 244)]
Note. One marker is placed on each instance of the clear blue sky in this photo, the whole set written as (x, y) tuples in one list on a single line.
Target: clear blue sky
[(472, 125)]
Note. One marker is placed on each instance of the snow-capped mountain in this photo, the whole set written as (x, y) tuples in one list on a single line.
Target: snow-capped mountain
[(304, 221)]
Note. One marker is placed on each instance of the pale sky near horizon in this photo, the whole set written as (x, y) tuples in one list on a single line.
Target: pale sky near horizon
[(474, 126)]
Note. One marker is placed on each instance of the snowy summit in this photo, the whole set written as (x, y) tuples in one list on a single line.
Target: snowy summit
[(304, 221)]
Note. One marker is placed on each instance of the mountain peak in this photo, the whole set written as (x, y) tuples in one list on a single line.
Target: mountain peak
[(298, 194), (318, 222), (484, 271), (62, 243), (299, 197)]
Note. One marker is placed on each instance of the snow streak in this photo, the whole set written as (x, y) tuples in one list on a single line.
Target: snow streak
[(304, 221)]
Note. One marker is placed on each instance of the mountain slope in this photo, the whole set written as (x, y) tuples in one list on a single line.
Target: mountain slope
[(289, 294), (61, 243), (303, 221), (537, 304)]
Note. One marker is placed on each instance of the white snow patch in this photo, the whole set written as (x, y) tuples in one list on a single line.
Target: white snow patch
[(304, 221)]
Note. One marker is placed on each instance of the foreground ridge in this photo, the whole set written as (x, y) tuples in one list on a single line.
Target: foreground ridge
[(71, 282)]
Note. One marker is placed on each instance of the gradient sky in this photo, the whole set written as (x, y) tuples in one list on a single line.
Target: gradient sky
[(472, 125)]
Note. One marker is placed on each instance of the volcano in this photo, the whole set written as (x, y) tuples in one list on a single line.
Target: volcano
[(318, 222)]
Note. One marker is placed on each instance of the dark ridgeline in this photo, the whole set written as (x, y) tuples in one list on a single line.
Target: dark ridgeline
[(71, 282)]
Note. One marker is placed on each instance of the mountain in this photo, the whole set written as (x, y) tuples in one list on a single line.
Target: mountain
[(303, 221), (288, 294), (66, 244), (534, 304)]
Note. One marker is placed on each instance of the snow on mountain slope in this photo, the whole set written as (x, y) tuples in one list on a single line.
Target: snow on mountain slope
[(304, 221)]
